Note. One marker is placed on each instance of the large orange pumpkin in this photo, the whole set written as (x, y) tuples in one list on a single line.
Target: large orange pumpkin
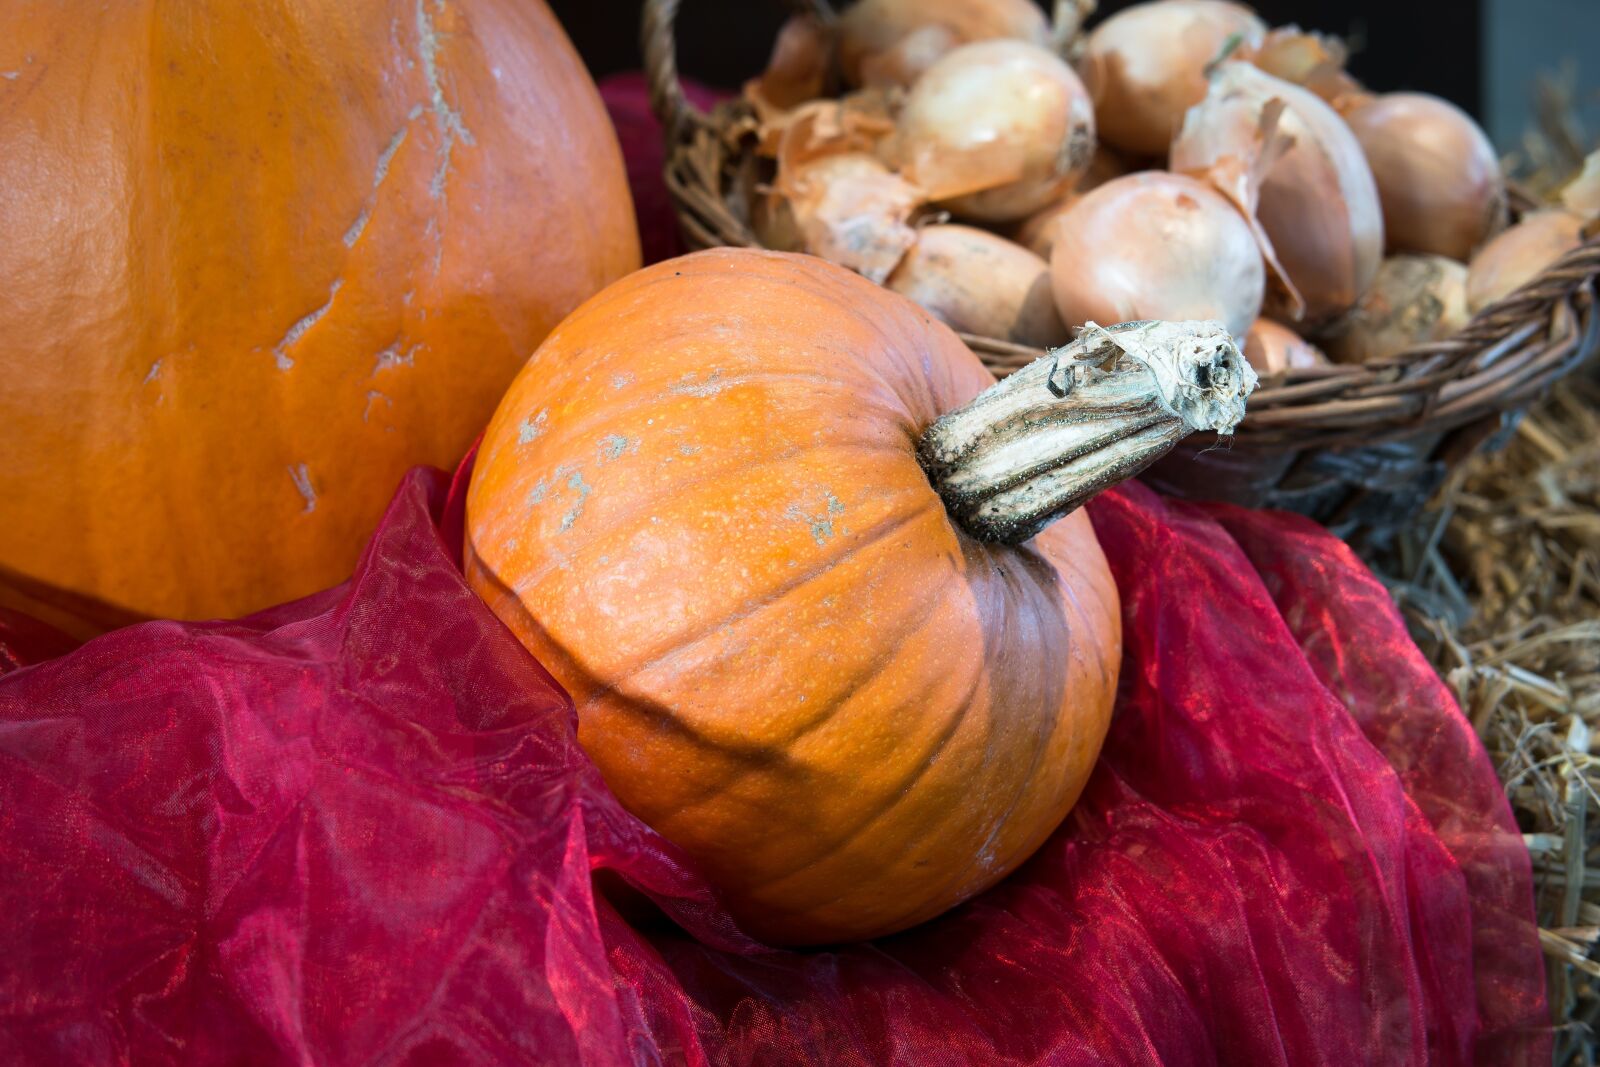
[(701, 506), (259, 257)]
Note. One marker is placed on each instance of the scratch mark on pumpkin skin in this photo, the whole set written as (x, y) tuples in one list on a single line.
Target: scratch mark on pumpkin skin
[(280, 351), (687, 386), (530, 429), (621, 381), (448, 118), (353, 234), (10, 75), (155, 369), (393, 357), (373, 394), (302, 481)]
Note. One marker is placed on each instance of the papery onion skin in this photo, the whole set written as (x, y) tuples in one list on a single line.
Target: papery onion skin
[(1145, 66), (1273, 348), (1519, 255), (1438, 177), (977, 282), (848, 208), (1414, 299), (1156, 246), (1316, 202), (871, 28), (995, 130)]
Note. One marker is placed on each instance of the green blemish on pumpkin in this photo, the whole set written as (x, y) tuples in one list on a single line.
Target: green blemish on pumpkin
[(583, 490), (614, 445), (530, 429), (821, 525)]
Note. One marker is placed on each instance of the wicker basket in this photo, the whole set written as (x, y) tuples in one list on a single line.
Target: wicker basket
[(1359, 448)]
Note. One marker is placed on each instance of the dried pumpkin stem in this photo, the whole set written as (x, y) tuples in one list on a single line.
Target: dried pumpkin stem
[(1039, 444)]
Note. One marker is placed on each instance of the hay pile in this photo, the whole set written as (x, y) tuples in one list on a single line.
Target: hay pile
[(1501, 586)]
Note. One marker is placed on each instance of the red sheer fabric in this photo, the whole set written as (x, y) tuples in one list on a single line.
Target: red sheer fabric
[(357, 829)]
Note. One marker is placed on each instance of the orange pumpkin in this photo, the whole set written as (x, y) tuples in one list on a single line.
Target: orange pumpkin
[(700, 505), (261, 258)]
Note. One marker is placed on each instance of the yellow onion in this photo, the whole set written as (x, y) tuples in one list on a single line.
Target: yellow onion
[(1313, 60), (848, 208), (1145, 66), (797, 70), (1273, 348), (977, 282), (995, 130), (1438, 177), (1156, 246), (1581, 195), (1519, 255), (891, 42), (1290, 163), (1412, 300), (1036, 233)]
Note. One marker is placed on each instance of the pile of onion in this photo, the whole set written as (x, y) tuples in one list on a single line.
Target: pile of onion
[(1190, 162)]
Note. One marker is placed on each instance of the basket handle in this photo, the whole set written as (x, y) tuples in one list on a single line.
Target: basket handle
[(658, 41)]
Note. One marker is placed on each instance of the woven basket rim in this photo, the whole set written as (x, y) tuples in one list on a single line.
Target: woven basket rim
[(1505, 356)]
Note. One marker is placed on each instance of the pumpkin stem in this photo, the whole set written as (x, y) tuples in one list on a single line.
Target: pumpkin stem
[(1039, 444)]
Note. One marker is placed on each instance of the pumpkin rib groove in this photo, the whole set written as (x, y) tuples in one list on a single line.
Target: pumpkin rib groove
[(885, 527), (838, 701), (1051, 723), (900, 792)]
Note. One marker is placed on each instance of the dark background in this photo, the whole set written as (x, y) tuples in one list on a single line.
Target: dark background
[(1428, 45)]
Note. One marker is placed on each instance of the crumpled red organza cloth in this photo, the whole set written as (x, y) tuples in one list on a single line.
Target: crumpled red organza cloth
[(357, 829)]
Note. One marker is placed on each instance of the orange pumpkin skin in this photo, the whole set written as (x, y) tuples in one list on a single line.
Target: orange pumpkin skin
[(700, 506), (259, 259)]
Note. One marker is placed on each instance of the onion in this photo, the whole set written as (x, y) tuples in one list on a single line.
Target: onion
[(1145, 66), (1156, 246), (1292, 165), (847, 208), (1037, 232), (1438, 177), (873, 34), (797, 70), (1412, 300), (1313, 60), (974, 281), (1520, 254), (1272, 348), (995, 130), (1581, 195)]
